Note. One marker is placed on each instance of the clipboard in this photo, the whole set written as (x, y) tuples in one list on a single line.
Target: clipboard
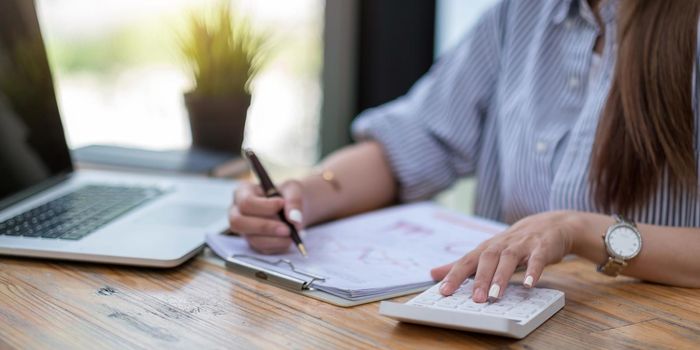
[(304, 285), (370, 266)]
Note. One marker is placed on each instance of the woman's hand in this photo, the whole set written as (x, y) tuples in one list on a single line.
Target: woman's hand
[(535, 241), (255, 217)]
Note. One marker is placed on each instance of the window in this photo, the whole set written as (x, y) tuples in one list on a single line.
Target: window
[(454, 18), (120, 79)]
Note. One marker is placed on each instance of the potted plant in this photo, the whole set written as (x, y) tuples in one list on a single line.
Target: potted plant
[(224, 54)]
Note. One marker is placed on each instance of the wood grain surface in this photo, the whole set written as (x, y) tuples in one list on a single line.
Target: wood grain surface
[(201, 305)]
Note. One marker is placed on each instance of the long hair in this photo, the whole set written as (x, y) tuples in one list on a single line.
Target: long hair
[(647, 129)]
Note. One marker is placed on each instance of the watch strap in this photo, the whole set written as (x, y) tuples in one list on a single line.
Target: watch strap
[(612, 266), (622, 220)]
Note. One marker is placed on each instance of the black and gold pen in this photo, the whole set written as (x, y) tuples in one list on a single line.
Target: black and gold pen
[(271, 191)]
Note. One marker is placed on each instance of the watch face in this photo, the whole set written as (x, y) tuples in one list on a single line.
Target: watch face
[(624, 242)]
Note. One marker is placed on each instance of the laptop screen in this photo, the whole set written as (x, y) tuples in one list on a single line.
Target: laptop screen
[(32, 144)]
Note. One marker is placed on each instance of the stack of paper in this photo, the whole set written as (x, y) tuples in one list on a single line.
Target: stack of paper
[(379, 253)]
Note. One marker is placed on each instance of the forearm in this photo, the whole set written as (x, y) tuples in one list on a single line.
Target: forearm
[(365, 181), (669, 255)]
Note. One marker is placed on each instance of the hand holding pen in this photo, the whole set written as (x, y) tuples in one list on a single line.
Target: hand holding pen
[(252, 213)]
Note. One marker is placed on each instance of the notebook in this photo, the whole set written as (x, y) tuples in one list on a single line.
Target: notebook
[(364, 258)]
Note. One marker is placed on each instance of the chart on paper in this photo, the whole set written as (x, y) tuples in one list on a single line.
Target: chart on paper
[(390, 247)]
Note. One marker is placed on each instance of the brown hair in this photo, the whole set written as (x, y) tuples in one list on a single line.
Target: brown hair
[(647, 125)]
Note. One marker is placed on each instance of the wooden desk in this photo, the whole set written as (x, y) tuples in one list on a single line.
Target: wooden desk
[(201, 305)]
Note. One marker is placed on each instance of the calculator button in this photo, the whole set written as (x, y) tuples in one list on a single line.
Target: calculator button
[(523, 310), (523, 294), (512, 298), (430, 297), (540, 299), (449, 302), (469, 305), (463, 293), (507, 304), (536, 303), (496, 309)]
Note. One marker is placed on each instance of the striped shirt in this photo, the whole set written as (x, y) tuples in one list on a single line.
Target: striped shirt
[(516, 105)]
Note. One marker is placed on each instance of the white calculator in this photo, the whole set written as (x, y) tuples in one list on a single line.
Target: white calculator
[(515, 315)]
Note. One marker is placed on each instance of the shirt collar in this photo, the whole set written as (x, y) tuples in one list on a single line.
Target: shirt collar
[(565, 8), (561, 11), (608, 12)]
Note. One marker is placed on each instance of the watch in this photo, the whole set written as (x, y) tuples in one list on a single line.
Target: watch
[(622, 242)]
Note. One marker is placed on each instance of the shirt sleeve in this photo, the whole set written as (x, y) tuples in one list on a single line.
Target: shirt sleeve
[(431, 136)]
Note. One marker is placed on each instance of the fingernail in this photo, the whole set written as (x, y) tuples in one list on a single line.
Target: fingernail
[(479, 295), (495, 289), (296, 216), (528, 281), (444, 288), (282, 231)]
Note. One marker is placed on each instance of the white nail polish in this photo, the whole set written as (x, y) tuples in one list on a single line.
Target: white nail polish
[(296, 216), (528, 281), (495, 289)]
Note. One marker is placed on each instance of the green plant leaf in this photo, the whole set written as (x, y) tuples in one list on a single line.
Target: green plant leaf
[(223, 51)]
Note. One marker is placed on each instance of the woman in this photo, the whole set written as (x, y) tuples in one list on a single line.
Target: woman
[(567, 112)]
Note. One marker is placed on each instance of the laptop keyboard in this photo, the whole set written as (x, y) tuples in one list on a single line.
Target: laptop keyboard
[(79, 213)]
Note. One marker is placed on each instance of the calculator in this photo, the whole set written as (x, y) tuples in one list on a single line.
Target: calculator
[(519, 312)]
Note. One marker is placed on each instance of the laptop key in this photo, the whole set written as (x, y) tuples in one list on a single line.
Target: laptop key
[(30, 233), (12, 231), (79, 213), (78, 233), (52, 233)]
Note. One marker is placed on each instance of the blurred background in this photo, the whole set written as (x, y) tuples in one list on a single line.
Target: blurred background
[(120, 78)]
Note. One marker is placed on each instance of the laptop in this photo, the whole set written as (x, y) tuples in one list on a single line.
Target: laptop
[(48, 209)]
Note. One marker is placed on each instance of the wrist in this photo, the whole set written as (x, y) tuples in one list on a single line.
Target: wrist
[(586, 241), (316, 193), (576, 227)]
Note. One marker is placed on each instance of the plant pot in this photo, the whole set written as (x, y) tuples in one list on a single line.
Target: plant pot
[(218, 122)]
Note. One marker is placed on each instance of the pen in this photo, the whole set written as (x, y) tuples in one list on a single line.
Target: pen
[(271, 191)]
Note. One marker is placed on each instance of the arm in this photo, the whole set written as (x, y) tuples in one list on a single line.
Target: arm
[(365, 180), (429, 138), (668, 255)]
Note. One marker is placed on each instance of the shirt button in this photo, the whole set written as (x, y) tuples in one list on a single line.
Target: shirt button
[(540, 147), (569, 23), (574, 82)]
